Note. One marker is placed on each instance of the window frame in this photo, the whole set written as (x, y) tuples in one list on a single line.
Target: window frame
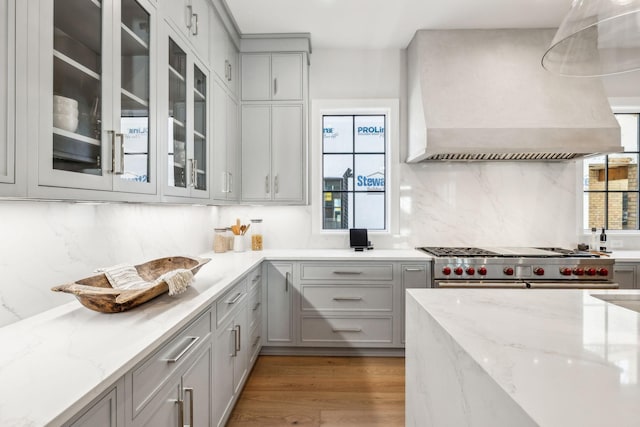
[(584, 193), (354, 107)]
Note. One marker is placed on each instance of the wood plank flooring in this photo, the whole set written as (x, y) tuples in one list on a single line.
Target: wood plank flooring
[(322, 391)]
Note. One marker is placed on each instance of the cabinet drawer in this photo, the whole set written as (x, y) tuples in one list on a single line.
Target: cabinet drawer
[(347, 272), (148, 377), (255, 343), (347, 298), (347, 329), (255, 306), (230, 300)]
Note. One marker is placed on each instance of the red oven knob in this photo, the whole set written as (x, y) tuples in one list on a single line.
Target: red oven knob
[(446, 271), (482, 271), (471, 271), (603, 272), (578, 271), (538, 271), (508, 271), (566, 271), (458, 271), (591, 271)]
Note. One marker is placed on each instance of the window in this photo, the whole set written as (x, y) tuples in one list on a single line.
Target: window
[(611, 182), (354, 159)]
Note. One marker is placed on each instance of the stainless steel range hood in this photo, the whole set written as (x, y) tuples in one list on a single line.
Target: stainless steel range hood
[(483, 95)]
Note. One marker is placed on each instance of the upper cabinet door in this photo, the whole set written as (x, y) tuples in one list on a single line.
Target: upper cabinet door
[(286, 70), (7, 91), (287, 152), (256, 152), (96, 105), (191, 19), (256, 77), (223, 54)]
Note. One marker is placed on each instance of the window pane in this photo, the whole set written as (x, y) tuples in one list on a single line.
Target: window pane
[(337, 172), (337, 134), (623, 172), (369, 171), (335, 212), (594, 173), (369, 134), (623, 211), (628, 131), (369, 211), (594, 210)]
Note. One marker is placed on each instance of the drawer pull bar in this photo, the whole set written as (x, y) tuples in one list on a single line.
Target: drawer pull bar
[(234, 299), (180, 404), (255, 279), (193, 341), (238, 341), (235, 342), (256, 341), (255, 307), (347, 272), (414, 269), (347, 329), (347, 298)]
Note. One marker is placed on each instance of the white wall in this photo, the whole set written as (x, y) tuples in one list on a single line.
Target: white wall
[(440, 203), (45, 244)]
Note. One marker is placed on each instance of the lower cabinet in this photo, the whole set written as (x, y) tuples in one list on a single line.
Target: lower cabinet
[(279, 303), (105, 411), (625, 274)]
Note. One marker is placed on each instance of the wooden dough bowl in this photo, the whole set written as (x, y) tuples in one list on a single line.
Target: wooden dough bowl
[(96, 293)]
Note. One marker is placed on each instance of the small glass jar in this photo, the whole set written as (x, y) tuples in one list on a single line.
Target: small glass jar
[(220, 241), (256, 235), (229, 236)]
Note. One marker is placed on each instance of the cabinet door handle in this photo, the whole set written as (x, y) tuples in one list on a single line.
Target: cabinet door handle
[(112, 137), (189, 391), (120, 169), (347, 298), (286, 281), (347, 272), (195, 32), (235, 342), (255, 307), (225, 186), (275, 185), (230, 182), (238, 341), (275, 86), (255, 279), (266, 184), (347, 329), (230, 72), (194, 173), (234, 299), (189, 17), (226, 69), (192, 342), (180, 404), (414, 269)]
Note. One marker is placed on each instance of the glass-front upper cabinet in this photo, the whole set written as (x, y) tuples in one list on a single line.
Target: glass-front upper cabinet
[(97, 100), (187, 132)]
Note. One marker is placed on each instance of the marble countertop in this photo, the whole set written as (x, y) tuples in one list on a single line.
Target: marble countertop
[(626, 256), (54, 363), (565, 357)]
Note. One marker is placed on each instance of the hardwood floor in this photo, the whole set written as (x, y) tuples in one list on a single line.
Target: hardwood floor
[(322, 391)]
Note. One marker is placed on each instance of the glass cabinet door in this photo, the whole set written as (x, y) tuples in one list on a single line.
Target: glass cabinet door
[(177, 132), (78, 86), (134, 161), (199, 160)]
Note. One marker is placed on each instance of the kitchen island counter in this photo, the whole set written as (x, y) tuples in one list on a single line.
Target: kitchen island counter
[(55, 363), (525, 358)]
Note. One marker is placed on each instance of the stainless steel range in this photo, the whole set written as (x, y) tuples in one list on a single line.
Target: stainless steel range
[(519, 268)]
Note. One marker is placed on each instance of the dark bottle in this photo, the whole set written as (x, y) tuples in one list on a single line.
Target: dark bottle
[(603, 241)]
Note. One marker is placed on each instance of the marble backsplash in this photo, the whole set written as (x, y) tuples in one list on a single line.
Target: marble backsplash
[(50, 243), (448, 204)]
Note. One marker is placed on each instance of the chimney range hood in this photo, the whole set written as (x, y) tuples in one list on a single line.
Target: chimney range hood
[(483, 95)]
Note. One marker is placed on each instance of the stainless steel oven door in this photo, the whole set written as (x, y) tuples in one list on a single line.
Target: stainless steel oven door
[(478, 284), (573, 285)]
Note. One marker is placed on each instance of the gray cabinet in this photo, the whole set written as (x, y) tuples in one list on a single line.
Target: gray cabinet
[(416, 275), (223, 53), (105, 411), (191, 19), (625, 274), (226, 182), (7, 97), (278, 327), (272, 76), (273, 153)]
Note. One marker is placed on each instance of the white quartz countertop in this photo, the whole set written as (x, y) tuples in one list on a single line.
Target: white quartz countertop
[(565, 357), (626, 256), (54, 363)]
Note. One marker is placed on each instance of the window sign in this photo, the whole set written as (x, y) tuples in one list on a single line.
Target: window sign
[(354, 175)]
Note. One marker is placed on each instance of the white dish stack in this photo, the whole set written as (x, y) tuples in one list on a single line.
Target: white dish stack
[(65, 113)]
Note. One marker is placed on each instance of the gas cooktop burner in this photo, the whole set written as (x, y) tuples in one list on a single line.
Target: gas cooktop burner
[(458, 252)]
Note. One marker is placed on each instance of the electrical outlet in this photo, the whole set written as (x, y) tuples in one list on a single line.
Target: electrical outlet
[(616, 244)]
